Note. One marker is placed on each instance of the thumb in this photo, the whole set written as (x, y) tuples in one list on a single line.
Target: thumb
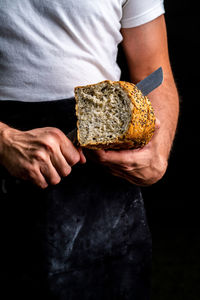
[(157, 124)]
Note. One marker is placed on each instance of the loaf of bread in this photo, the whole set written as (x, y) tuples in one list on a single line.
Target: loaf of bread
[(113, 115)]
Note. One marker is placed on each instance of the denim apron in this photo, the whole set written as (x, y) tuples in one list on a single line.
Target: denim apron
[(85, 238)]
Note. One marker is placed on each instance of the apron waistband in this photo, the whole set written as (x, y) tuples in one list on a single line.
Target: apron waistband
[(29, 115)]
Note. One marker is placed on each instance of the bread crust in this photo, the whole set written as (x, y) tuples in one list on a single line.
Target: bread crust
[(141, 127)]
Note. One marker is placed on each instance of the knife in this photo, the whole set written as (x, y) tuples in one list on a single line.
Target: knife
[(151, 82), (146, 86)]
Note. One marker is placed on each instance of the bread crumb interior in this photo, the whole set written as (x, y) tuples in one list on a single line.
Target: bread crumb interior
[(104, 112)]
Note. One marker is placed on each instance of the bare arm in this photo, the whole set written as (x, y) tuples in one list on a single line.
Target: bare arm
[(146, 49)]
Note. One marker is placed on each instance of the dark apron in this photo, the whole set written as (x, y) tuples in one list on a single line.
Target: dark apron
[(85, 238)]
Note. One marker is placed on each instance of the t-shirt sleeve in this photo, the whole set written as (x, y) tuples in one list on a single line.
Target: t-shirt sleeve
[(138, 12)]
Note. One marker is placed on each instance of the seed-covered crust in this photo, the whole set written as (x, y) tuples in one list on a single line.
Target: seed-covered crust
[(141, 127)]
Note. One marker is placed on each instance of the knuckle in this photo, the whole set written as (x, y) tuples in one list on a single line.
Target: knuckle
[(162, 168), (52, 138), (158, 173), (49, 143), (41, 155), (55, 133)]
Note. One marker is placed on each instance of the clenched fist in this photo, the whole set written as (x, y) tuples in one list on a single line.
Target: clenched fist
[(41, 155)]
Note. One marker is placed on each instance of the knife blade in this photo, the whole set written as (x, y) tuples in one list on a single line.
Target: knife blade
[(146, 86), (151, 82)]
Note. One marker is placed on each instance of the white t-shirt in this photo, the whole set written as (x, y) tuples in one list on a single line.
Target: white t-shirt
[(49, 47)]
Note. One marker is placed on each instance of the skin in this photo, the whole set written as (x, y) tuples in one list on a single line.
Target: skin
[(146, 50), (41, 155), (45, 155)]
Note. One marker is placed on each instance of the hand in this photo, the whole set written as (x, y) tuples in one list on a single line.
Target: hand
[(41, 155), (142, 167)]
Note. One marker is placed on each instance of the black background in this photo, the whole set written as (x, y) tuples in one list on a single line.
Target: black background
[(172, 203)]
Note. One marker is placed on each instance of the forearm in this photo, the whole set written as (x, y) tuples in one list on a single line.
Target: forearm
[(165, 101), (146, 49)]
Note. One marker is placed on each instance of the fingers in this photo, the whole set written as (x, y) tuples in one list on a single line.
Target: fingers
[(55, 159), (121, 157), (43, 173), (49, 172), (33, 173), (113, 157), (70, 153), (39, 180), (60, 163), (56, 165), (62, 156)]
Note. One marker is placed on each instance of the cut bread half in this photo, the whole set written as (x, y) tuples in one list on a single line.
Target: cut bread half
[(113, 115)]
